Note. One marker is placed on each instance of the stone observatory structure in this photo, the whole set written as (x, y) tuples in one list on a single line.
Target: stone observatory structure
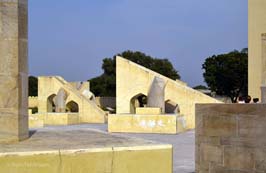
[(152, 103), (61, 103)]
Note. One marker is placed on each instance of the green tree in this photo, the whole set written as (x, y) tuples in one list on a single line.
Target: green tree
[(105, 84), (33, 86), (227, 74)]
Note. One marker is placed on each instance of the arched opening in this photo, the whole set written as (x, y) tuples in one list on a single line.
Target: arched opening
[(171, 107), (72, 107), (139, 100), (50, 103)]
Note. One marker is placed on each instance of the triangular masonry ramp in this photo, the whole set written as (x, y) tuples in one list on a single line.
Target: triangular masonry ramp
[(48, 86), (133, 80)]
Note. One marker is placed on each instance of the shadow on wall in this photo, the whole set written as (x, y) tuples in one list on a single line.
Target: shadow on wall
[(50, 103), (140, 100), (171, 107), (72, 107)]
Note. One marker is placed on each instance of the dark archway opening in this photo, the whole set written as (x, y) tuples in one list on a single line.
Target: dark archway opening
[(72, 107), (50, 103), (171, 107), (139, 100)]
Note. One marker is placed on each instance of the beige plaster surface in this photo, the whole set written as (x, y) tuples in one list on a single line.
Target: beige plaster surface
[(13, 70), (133, 79), (148, 111), (256, 27)]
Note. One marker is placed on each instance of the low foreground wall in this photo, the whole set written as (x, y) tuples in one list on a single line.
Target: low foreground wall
[(230, 138), (82, 150)]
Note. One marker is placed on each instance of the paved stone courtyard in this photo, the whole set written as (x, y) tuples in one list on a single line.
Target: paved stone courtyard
[(183, 145)]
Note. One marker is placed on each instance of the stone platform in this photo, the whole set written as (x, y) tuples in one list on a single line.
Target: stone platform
[(133, 123), (69, 149)]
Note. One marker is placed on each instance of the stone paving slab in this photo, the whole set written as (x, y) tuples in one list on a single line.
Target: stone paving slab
[(69, 138)]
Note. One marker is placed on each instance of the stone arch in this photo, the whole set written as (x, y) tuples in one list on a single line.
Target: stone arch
[(171, 107), (139, 100), (72, 106), (51, 103)]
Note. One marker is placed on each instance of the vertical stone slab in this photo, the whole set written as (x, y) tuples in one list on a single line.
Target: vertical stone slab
[(263, 67), (263, 60), (13, 70)]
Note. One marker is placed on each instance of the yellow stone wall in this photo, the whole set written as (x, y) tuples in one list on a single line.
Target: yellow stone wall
[(133, 79), (163, 124), (36, 120), (89, 112), (33, 102), (150, 159), (61, 118), (256, 27), (42, 119)]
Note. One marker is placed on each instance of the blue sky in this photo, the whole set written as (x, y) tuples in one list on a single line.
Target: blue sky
[(70, 38)]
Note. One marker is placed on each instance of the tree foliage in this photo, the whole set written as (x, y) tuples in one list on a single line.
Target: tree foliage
[(33, 86), (227, 74), (105, 85)]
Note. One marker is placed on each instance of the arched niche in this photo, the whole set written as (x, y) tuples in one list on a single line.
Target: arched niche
[(50, 103), (139, 100), (72, 106)]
